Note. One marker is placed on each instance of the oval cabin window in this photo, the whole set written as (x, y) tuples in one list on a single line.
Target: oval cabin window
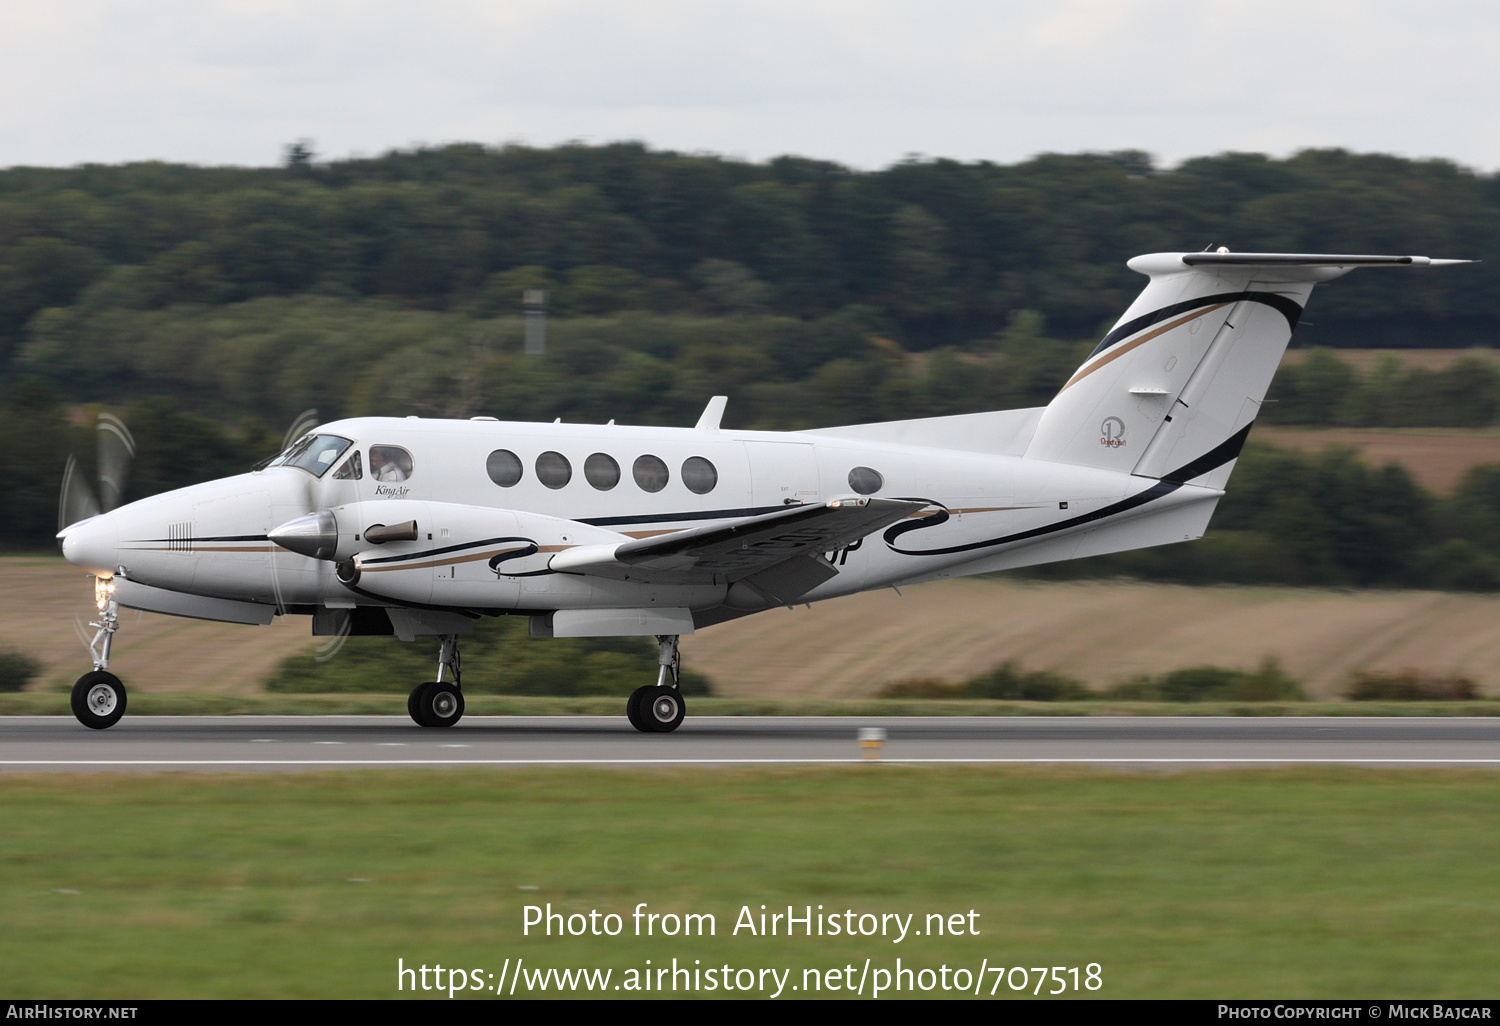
[(601, 471), (865, 481), (699, 475), (650, 473), (504, 467), (553, 469)]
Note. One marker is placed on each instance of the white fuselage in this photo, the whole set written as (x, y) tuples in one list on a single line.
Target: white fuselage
[(483, 545)]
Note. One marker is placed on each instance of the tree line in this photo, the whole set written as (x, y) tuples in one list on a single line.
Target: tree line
[(943, 252), (210, 306), (1323, 389)]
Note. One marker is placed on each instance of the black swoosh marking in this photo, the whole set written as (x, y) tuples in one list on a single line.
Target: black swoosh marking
[(897, 530), (529, 549), (1288, 308), (438, 552), (1211, 460), (1156, 491)]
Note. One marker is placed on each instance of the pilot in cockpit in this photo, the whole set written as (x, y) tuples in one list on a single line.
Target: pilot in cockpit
[(386, 463)]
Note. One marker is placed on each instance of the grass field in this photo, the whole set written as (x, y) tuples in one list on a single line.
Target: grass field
[(851, 648), (1286, 883)]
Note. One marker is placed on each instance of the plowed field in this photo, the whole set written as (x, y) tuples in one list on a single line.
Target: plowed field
[(1100, 632)]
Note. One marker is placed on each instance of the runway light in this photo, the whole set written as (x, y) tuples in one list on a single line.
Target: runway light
[(872, 740)]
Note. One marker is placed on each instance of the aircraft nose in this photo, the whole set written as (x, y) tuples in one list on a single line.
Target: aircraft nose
[(93, 544)]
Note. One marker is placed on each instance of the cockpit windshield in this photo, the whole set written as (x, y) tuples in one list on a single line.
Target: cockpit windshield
[(312, 453)]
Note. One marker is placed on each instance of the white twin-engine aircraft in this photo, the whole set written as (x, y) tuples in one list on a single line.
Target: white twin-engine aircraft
[(419, 527)]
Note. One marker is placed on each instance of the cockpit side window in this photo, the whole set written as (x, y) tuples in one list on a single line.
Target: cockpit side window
[(352, 470), (390, 463), (312, 453)]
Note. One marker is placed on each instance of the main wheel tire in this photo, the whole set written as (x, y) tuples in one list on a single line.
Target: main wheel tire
[(633, 708), (442, 705), (98, 699), (663, 709), (414, 703)]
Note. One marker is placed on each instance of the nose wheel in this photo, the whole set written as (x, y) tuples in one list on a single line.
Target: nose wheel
[(98, 699)]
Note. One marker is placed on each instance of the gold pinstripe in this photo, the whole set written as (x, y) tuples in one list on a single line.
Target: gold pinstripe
[(1120, 351)]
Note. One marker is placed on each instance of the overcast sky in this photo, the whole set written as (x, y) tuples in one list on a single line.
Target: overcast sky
[(864, 83)]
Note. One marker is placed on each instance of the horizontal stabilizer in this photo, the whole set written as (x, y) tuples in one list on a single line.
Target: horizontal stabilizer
[(1312, 260)]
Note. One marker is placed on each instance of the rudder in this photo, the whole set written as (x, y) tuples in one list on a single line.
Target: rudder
[(1173, 388)]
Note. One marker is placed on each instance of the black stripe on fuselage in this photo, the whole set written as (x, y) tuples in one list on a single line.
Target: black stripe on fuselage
[(1140, 498), (669, 518), (442, 551), (1211, 460), (195, 540), (655, 518), (1288, 308)]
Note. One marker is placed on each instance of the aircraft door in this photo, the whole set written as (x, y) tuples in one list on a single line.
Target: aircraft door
[(782, 473)]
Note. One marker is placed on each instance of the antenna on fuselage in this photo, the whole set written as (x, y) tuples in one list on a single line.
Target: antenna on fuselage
[(713, 413)]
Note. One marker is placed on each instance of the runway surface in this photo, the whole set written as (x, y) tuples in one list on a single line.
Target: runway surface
[(237, 743)]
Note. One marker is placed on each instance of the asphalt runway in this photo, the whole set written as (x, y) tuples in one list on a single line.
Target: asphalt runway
[(292, 743)]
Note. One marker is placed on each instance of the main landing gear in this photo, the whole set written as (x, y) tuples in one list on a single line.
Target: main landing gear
[(98, 697), (659, 709), (439, 703)]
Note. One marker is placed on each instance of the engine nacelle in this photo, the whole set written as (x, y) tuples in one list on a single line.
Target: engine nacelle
[(471, 556)]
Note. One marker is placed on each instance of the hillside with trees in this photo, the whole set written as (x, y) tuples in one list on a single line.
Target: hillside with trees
[(210, 306)]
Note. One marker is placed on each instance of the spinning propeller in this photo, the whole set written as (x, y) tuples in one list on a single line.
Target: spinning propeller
[(78, 501)]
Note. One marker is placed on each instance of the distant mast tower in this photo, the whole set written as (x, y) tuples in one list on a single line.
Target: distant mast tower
[(534, 305)]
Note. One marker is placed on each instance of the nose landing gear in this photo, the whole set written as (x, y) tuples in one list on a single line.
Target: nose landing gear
[(98, 698)]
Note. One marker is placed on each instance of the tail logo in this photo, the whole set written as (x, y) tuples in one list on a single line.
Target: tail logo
[(1112, 432)]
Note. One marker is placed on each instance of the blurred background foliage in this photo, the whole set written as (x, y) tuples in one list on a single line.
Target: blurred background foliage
[(501, 659), (209, 306)]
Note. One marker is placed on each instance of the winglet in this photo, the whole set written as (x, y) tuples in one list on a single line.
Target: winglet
[(712, 414)]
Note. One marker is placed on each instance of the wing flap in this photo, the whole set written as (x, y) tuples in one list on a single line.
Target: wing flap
[(742, 548)]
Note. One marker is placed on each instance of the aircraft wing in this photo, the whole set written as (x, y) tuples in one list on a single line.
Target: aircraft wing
[(780, 554)]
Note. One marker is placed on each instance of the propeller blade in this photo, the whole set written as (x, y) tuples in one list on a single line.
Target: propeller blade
[(305, 422), (116, 449), (76, 501)]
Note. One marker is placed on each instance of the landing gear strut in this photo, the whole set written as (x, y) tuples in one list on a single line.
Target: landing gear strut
[(98, 698), (660, 709), (439, 703)]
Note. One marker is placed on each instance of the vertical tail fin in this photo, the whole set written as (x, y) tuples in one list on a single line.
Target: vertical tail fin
[(1171, 391)]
